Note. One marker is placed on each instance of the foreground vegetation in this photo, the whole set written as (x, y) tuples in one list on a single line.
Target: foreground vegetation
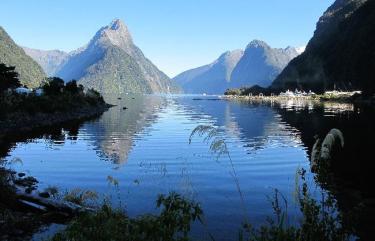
[(320, 219), (173, 222)]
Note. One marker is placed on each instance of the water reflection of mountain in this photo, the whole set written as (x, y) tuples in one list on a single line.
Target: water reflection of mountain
[(254, 124), (352, 174), (53, 135), (300, 121), (114, 134)]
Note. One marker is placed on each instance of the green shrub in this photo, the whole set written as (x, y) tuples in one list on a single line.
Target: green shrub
[(173, 223)]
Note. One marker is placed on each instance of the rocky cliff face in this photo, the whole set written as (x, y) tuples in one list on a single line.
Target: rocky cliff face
[(30, 73), (112, 63), (341, 53)]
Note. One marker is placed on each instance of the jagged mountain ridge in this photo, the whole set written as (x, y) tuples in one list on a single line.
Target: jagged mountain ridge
[(30, 73), (112, 63), (212, 78), (259, 64)]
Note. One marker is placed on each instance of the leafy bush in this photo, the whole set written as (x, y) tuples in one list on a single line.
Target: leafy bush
[(73, 88), (54, 86), (173, 223)]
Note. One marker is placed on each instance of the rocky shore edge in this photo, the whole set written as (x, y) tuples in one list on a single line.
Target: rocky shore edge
[(27, 207)]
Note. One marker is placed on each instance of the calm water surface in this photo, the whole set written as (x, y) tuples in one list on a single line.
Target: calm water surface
[(146, 148)]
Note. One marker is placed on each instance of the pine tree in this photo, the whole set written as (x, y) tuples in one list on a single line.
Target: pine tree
[(8, 78)]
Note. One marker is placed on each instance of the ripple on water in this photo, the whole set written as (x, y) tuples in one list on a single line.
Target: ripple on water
[(146, 148)]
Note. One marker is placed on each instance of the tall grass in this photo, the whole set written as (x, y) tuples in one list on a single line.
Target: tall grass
[(173, 223), (320, 221)]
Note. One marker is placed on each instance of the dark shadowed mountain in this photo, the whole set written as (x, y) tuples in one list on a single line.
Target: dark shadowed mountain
[(341, 53), (30, 73), (111, 63)]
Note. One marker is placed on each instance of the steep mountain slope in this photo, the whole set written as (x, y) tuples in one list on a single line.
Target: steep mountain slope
[(341, 53), (111, 63), (116, 72), (213, 78), (30, 73), (188, 76), (50, 60), (261, 64)]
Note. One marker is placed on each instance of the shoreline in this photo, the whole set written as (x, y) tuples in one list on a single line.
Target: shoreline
[(24, 122), (316, 98), (28, 206)]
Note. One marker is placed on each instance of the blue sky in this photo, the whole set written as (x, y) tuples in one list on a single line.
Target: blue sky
[(175, 34)]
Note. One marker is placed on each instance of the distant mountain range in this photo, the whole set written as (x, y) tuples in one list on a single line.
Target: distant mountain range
[(50, 60), (212, 78), (30, 73), (340, 55), (259, 65), (110, 63)]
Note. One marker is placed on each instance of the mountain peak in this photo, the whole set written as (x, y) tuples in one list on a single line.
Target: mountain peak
[(257, 44), (117, 24), (116, 33), (118, 27), (112, 64)]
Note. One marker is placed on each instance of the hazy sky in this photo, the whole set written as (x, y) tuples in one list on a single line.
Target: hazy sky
[(175, 34)]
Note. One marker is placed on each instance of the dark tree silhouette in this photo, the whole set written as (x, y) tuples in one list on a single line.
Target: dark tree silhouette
[(73, 88), (8, 78), (54, 86)]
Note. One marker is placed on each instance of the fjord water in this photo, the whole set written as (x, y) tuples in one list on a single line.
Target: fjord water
[(146, 148)]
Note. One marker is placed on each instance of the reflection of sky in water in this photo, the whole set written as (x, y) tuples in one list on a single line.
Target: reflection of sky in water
[(146, 148)]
